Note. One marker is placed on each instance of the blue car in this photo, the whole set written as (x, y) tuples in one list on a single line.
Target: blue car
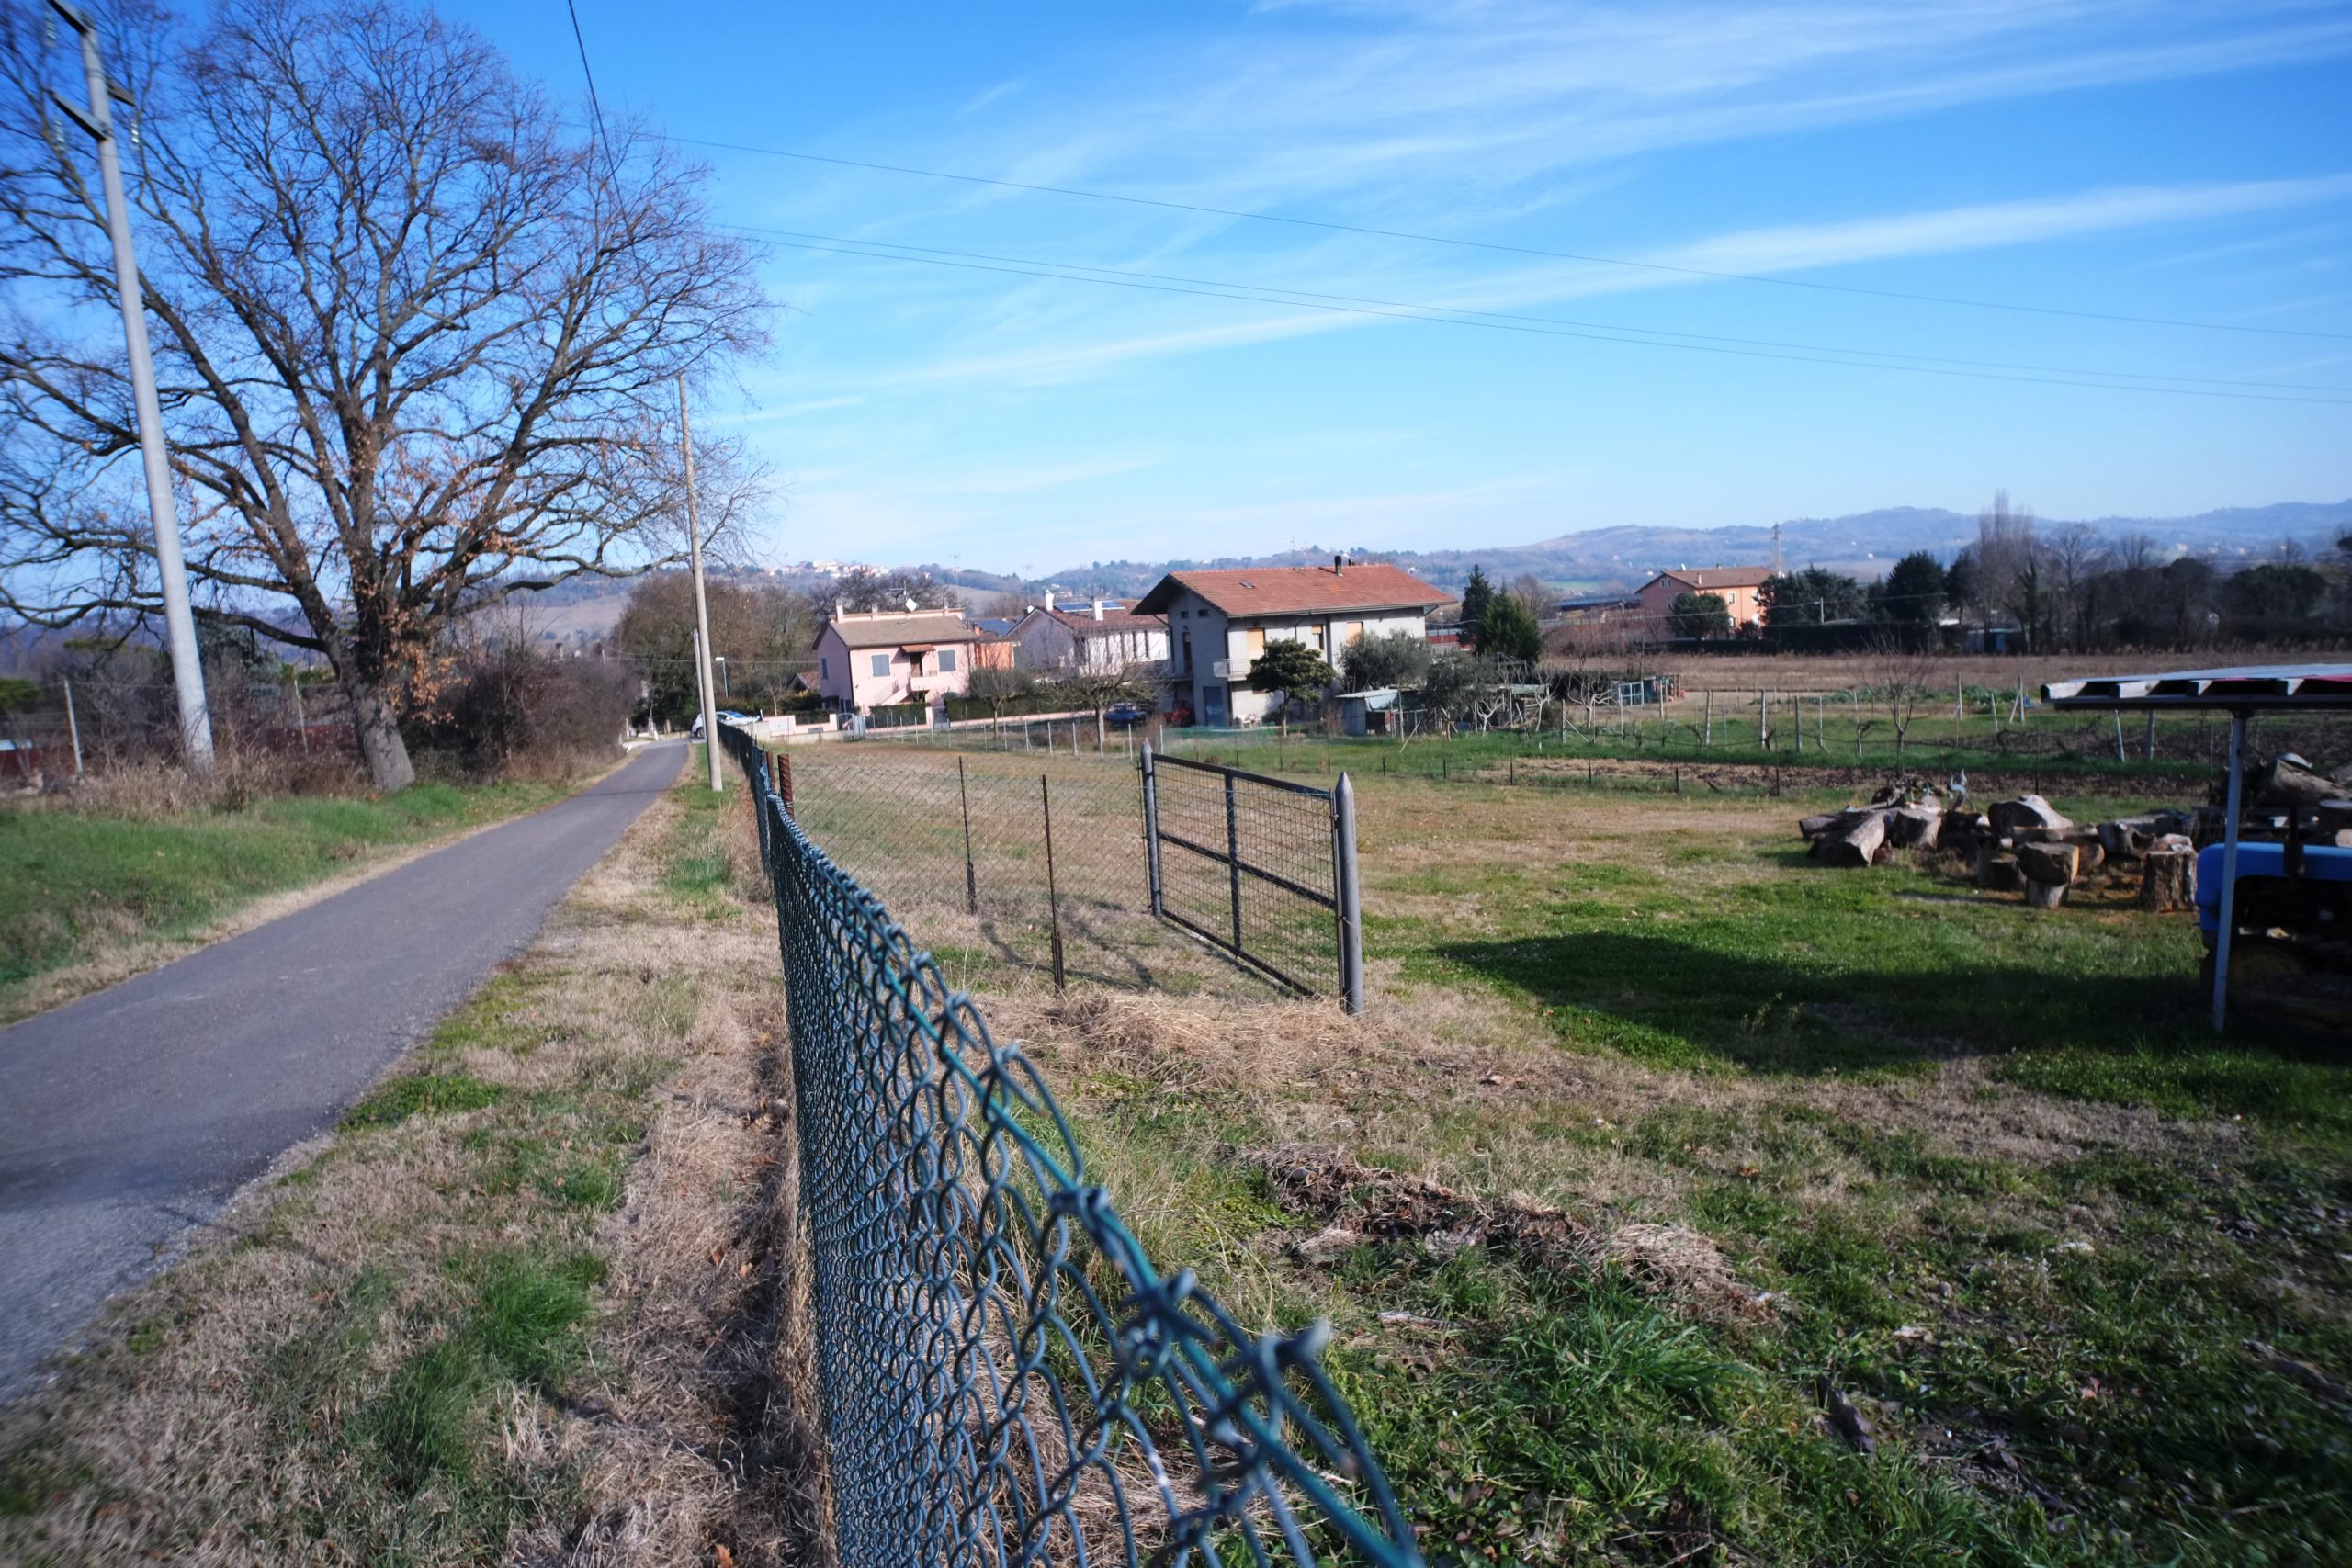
[(1125, 714)]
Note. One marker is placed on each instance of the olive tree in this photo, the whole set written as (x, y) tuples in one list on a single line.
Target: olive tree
[(417, 343)]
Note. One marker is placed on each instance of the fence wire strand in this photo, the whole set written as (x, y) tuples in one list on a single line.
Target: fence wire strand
[(1007, 1378)]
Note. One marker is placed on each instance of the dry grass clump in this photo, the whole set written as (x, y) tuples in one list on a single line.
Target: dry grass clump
[(1360, 1201), (148, 790)]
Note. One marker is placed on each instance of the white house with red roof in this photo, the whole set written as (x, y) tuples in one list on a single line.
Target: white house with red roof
[(1099, 638), (1218, 621)]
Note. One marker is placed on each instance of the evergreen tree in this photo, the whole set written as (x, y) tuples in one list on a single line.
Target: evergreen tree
[(1913, 593), (1509, 630), (1477, 598)]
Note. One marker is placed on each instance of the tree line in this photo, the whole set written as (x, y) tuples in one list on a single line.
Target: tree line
[(2070, 589)]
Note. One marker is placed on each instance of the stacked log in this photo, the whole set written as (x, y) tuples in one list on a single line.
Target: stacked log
[(2290, 781), (1911, 826), (2129, 838), (2027, 813), (1856, 838)]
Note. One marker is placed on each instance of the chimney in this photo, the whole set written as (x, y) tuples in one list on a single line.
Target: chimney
[(1098, 609), (841, 610), (1338, 565), (1050, 601)]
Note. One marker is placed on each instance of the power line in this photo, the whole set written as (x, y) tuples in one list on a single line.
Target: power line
[(1635, 334), (595, 108), (1269, 295), (1514, 250)]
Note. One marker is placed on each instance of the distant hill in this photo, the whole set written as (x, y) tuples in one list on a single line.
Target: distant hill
[(1864, 544)]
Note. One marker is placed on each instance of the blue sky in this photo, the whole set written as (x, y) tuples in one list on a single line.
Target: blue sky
[(2187, 162)]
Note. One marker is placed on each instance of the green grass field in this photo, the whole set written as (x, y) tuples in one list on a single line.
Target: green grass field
[(2059, 746), (2084, 1270), (78, 886)]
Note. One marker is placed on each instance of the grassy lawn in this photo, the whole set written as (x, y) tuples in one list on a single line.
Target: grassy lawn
[(2061, 747), (1979, 1173), (109, 894), (518, 1307)]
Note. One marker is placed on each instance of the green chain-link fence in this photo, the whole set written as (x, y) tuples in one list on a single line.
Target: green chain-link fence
[(1007, 1378)]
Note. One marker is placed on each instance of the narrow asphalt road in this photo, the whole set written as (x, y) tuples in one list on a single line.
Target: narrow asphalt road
[(130, 1115)]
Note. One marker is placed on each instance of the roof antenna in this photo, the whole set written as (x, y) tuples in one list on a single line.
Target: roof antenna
[(1776, 549)]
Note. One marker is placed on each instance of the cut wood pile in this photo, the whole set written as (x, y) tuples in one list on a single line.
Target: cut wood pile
[(2022, 845), (2285, 796)]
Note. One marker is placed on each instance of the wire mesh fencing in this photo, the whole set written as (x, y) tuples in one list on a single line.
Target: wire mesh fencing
[(996, 860), (1006, 1376)]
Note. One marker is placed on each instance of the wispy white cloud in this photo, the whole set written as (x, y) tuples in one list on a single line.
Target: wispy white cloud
[(1798, 247), (1059, 325), (1482, 96)]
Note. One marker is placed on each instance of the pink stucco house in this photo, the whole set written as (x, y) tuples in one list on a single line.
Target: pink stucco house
[(868, 659)]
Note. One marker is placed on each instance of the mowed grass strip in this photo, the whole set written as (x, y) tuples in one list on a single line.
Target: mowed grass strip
[(77, 886), (1980, 1171), (410, 1345)]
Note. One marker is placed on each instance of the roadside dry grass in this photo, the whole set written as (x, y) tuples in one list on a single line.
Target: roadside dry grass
[(524, 1305)]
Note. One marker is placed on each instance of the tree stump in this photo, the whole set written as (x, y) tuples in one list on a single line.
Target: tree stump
[(2056, 862), (2044, 895), (1812, 827), (1997, 869), (2165, 880)]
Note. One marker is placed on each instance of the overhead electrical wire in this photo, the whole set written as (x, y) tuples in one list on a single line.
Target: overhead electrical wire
[(1336, 227), (595, 108), (1600, 332), (1265, 294), (1641, 333)]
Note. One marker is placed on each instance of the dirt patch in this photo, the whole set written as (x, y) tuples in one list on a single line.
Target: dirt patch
[(1670, 1260)]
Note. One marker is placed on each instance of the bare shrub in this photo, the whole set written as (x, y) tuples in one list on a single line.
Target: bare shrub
[(508, 713)]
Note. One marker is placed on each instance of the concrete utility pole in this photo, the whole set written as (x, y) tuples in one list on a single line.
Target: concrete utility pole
[(179, 623), (702, 605)]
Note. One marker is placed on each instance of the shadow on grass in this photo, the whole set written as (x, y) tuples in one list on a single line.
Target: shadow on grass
[(1682, 1004)]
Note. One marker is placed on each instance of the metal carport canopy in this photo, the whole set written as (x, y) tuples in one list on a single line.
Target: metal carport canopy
[(2253, 688)]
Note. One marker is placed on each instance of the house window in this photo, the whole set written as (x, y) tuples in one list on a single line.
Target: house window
[(947, 661), (1350, 631), (824, 669), (1256, 640), (881, 664)]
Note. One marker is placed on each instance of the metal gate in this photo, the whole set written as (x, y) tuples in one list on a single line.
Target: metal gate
[(1262, 868)]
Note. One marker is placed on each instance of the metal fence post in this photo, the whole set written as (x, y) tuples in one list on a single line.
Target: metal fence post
[(1351, 912), (1053, 895), (971, 880), (1232, 858), (1151, 830)]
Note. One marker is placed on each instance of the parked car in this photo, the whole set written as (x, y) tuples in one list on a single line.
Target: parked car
[(726, 716), (1126, 713)]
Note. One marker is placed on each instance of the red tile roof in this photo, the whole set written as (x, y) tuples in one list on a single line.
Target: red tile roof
[(1297, 590), (1708, 577)]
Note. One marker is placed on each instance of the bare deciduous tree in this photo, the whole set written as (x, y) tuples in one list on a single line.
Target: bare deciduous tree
[(415, 342)]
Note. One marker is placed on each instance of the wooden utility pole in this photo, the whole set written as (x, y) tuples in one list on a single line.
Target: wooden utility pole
[(702, 605)]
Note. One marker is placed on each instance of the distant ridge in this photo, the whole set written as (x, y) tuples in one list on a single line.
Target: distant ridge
[(1864, 544)]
